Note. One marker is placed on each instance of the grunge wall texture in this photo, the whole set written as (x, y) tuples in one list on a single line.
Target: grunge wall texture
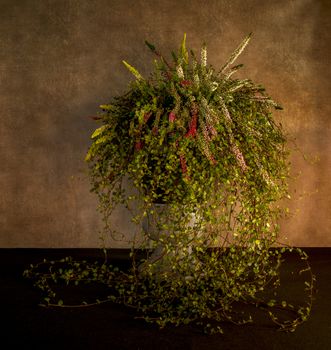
[(60, 59)]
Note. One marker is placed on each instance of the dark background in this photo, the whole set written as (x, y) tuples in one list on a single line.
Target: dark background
[(60, 59)]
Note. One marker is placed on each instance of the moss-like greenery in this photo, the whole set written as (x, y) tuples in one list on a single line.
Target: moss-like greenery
[(209, 165)]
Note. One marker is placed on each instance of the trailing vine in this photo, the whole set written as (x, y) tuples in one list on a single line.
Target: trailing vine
[(209, 166)]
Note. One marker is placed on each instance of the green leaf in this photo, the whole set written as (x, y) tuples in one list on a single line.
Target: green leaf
[(151, 46), (101, 140), (60, 302), (89, 154), (271, 303), (174, 56)]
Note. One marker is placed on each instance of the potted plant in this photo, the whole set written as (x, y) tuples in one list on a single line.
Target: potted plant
[(193, 140), (209, 165)]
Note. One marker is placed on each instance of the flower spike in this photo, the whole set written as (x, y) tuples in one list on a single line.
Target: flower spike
[(236, 53), (133, 70)]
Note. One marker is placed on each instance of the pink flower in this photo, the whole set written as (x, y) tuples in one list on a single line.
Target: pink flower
[(212, 130), (172, 117), (239, 156)]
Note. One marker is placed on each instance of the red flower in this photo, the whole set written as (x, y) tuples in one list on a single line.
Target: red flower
[(185, 83), (183, 164), (192, 127), (172, 117), (147, 116), (138, 145)]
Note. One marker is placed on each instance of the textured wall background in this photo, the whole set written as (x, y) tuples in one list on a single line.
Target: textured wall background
[(60, 59)]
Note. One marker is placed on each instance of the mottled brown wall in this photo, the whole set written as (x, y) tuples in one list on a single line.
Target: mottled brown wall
[(60, 59)]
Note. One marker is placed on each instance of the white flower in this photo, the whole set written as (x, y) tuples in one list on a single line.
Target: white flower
[(180, 72), (204, 56)]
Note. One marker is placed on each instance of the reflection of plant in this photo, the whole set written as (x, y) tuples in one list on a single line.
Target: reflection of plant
[(205, 144)]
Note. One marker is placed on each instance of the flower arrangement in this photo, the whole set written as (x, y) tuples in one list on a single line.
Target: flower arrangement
[(205, 145), (186, 119)]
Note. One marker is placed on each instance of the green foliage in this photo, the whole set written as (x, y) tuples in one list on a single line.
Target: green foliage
[(207, 147)]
